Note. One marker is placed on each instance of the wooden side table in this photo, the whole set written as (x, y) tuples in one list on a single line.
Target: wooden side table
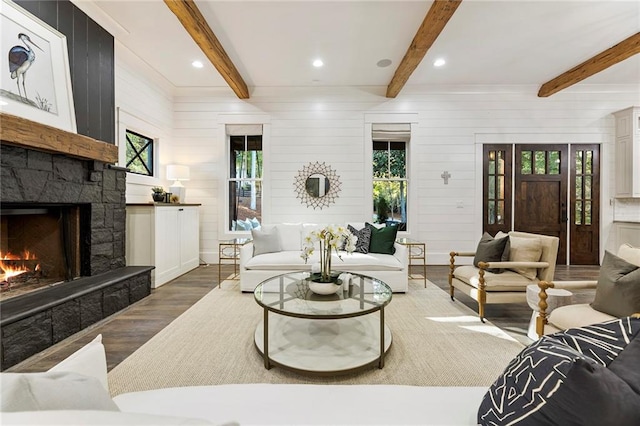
[(417, 251), (228, 253)]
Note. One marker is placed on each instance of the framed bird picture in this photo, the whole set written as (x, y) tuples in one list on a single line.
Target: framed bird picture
[(35, 79)]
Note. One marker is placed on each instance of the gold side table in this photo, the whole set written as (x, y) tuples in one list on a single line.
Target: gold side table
[(229, 253), (417, 251)]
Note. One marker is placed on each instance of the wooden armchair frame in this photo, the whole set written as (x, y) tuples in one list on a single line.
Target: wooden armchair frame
[(482, 269), (543, 316)]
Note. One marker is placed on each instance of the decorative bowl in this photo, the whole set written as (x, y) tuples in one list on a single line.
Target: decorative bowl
[(324, 288)]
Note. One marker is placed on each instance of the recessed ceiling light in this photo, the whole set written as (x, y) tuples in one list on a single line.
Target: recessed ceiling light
[(197, 64), (439, 62), (383, 63), (318, 63)]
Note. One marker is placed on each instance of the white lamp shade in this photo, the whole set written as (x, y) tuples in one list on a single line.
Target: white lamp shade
[(176, 172)]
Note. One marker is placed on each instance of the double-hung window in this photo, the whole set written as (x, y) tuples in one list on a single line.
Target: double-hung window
[(245, 178), (390, 182)]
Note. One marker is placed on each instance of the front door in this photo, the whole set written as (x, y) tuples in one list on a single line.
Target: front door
[(540, 207)]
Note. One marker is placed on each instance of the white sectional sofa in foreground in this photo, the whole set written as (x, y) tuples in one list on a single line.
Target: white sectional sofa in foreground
[(75, 392), (391, 268), (585, 376)]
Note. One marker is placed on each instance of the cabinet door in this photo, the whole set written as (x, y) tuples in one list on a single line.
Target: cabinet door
[(624, 173), (167, 261), (189, 238)]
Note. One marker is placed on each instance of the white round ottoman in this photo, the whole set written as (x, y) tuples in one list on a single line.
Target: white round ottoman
[(555, 298)]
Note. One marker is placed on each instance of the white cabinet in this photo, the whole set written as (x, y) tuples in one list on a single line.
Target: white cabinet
[(166, 237), (627, 165)]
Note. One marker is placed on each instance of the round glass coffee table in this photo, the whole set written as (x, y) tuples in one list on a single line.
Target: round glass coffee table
[(322, 334)]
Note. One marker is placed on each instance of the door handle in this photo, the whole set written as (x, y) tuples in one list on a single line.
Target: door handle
[(563, 213)]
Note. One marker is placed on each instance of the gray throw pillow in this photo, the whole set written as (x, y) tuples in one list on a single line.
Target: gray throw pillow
[(490, 250), (364, 238), (618, 289), (265, 241)]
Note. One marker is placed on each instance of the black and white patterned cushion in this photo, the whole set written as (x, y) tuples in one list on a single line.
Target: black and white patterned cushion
[(363, 238), (585, 376)]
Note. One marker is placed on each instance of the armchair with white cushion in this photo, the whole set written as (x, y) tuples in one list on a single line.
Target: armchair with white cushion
[(503, 267), (617, 294)]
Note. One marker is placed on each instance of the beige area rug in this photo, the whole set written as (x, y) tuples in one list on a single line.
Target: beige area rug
[(436, 342)]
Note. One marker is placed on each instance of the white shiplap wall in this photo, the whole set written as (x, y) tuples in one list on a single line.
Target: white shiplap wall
[(329, 125)]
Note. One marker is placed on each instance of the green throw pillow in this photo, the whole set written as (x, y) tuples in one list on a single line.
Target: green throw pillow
[(618, 289), (382, 239), (490, 250)]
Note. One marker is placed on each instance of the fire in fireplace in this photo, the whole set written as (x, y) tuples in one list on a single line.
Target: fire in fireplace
[(39, 247)]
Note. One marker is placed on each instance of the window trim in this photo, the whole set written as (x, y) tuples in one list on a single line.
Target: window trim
[(223, 170), (412, 158)]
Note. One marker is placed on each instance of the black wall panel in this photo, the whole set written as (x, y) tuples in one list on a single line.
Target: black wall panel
[(91, 62)]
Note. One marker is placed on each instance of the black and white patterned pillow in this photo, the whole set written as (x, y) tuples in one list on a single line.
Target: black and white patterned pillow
[(363, 238), (586, 376)]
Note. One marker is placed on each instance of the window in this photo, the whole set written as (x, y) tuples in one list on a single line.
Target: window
[(496, 215), (245, 178), (139, 153), (390, 183)]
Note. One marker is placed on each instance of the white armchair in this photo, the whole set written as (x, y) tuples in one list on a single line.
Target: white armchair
[(580, 314)]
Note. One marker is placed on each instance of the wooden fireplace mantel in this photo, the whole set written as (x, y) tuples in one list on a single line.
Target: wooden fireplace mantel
[(29, 134)]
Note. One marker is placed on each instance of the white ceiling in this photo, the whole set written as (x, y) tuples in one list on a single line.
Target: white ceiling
[(272, 43)]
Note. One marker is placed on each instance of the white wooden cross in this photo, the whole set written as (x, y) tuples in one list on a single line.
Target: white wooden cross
[(445, 175)]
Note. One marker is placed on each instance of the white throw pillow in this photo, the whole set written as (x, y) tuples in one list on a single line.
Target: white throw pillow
[(290, 236), (265, 240), (53, 390), (90, 360), (629, 253), (525, 250)]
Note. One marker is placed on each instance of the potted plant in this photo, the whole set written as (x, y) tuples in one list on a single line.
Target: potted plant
[(157, 192)]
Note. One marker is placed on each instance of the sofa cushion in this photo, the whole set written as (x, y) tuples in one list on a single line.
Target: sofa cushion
[(382, 239), (525, 250), (629, 253), (618, 288), (96, 417), (580, 376), (577, 315), (506, 281), (265, 241), (281, 261), (363, 238), (490, 250), (291, 261)]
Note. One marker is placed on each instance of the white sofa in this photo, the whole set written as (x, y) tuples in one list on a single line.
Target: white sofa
[(75, 392), (392, 269)]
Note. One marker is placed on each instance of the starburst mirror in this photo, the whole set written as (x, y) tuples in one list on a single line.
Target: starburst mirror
[(317, 185)]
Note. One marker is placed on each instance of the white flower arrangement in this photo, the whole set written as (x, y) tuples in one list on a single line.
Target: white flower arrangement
[(331, 238)]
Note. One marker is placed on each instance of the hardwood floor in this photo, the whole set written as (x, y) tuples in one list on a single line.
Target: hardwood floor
[(124, 332)]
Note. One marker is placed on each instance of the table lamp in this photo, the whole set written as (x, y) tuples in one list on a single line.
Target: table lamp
[(177, 174)]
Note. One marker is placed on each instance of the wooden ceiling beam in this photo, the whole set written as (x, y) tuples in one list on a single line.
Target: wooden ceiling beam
[(192, 20), (432, 25), (618, 53)]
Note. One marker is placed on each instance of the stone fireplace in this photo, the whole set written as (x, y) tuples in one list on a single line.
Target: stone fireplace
[(40, 246), (62, 240)]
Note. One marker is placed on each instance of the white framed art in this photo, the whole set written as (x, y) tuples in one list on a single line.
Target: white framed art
[(35, 82)]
